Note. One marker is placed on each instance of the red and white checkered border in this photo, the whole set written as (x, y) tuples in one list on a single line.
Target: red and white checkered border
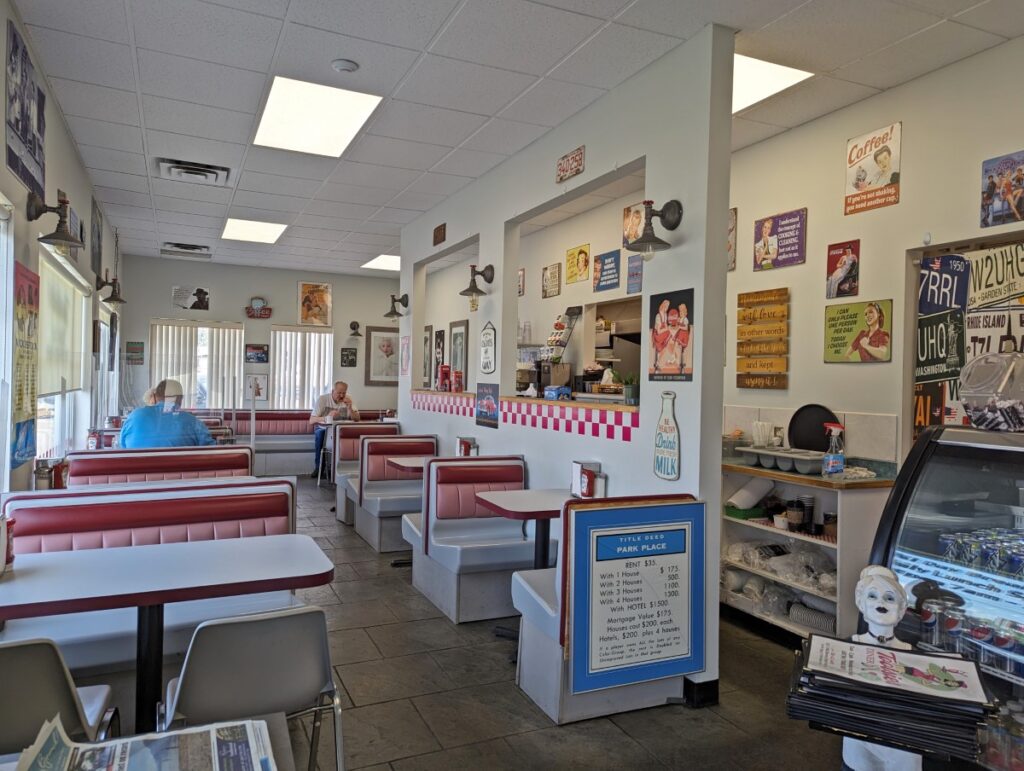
[(583, 421), (463, 405)]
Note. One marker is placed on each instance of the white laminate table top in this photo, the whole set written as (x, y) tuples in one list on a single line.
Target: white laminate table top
[(541, 502), (97, 579)]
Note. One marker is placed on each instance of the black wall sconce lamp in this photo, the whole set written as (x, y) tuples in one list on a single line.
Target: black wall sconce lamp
[(487, 274), (115, 285), (62, 236), (671, 214), (394, 313), (354, 326)]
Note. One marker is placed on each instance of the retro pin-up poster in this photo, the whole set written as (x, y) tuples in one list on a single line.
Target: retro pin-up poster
[(26, 362), (873, 169), (671, 336)]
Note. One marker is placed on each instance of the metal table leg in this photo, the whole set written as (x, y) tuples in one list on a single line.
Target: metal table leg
[(149, 660)]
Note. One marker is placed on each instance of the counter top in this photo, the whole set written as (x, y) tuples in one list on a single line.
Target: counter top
[(808, 480), (597, 405)]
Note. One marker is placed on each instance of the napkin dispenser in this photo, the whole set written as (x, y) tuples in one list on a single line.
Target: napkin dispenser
[(585, 478)]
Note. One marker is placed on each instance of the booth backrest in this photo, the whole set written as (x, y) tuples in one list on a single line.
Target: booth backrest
[(210, 422), (64, 520), (148, 465), (375, 451), (450, 486), (347, 436), (272, 422)]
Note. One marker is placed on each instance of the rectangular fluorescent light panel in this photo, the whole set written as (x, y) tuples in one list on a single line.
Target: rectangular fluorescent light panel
[(252, 230), (385, 262), (310, 118), (754, 80)]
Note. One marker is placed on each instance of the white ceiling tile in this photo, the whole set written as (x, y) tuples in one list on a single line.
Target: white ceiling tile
[(115, 211), (401, 216), (112, 160), (374, 196), (183, 218), (189, 80), (941, 7), (1000, 17), (399, 22), (137, 233), (396, 152), (126, 197), (260, 215), (185, 206), (305, 251), (926, 51), (469, 163), (379, 228), (603, 9), (208, 193), (285, 203), (275, 8), (623, 186), (684, 18), (550, 102), (163, 144), (504, 136), (205, 31), (369, 239), (97, 102), (513, 34), (326, 223), (196, 120), (748, 132), (381, 66), (373, 175), (441, 184), (830, 34), (806, 101), (119, 221), (420, 123), (462, 85), (85, 59), (288, 164), (115, 179), (104, 19), (278, 185), (173, 232), (419, 201), (290, 242), (100, 133), (316, 234), (336, 209), (613, 56)]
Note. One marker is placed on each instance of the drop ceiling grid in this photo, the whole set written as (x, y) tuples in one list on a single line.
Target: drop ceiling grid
[(203, 103)]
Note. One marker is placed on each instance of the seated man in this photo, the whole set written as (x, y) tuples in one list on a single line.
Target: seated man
[(164, 424), (336, 405)]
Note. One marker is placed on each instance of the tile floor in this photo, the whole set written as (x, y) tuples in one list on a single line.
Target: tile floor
[(422, 693)]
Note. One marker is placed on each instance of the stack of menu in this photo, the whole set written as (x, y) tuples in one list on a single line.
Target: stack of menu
[(924, 703)]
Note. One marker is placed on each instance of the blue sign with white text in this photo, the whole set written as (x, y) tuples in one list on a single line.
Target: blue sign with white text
[(617, 547)]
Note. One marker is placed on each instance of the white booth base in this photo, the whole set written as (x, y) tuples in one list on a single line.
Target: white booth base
[(463, 597), (344, 506), (384, 534), (273, 455)]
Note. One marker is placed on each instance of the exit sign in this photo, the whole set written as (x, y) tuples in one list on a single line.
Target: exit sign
[(570, 164)]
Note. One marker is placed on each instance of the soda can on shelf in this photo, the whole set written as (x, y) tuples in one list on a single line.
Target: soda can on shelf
[(979, 631), (1014, 564), (1004, 640), (990, 551), (947, 546), (970, 550), (931, 633), (952, 630)]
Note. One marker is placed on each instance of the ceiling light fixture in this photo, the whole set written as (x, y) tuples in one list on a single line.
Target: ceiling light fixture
[(671, 214), (384, 262), (394, 313), (344, 65), (252, 230), (62, 235), (310, 118), (487, 274), (754, 80)]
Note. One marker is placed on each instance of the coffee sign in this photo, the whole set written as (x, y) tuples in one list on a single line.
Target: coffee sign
[(570, 164)]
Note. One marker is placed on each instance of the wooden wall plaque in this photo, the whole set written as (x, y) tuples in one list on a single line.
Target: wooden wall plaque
[(762, 339)]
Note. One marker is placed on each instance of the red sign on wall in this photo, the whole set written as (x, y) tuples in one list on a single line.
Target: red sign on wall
[(570, 164)]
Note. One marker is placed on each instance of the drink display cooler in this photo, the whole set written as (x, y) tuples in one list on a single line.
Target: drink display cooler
[(953, 531)]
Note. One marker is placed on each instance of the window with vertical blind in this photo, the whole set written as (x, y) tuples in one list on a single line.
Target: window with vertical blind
[(62, 324), (205, 358), (300, 366)]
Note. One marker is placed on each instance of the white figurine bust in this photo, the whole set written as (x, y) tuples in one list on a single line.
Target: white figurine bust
[(882, 601)]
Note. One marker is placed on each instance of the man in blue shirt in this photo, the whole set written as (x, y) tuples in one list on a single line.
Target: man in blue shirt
[(164, 424)]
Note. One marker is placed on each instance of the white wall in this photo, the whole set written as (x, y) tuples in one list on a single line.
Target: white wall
[(953, 119), (444, 305), (147, 287)]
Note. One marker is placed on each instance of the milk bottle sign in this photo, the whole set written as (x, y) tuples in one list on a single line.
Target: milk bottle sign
[(666, 439)]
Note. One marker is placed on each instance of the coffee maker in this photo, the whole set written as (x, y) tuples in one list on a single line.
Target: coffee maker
[(527, 375)]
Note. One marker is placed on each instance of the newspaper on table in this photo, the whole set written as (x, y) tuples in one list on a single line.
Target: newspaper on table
[(237, 746)]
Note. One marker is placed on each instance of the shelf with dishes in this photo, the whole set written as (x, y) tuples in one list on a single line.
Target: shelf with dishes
[(747, 605), (765, 525), (776, 578)]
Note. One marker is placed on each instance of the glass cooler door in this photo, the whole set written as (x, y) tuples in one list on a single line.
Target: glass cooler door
[(957, 544)]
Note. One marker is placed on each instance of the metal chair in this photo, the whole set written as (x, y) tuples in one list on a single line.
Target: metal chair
[(254, 665), (36, 686)]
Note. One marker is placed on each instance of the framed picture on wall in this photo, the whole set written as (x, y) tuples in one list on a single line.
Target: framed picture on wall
[(405, 352), (381, 356), (314, 304), (428, 355), (257, 389), (458, 339), (349, 357), (257, 353), (438, 351)]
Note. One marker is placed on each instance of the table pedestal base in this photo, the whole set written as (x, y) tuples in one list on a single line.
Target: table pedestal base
[(149, 662)]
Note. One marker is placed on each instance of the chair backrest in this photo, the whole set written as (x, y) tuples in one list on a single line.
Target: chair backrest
[(450, 486), (102, 516), (347, 436), (36, 686), (88, 467), (254, 665)]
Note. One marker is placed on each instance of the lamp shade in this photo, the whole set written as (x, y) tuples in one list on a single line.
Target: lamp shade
[(115, 294), (487, 274), (472, 290)]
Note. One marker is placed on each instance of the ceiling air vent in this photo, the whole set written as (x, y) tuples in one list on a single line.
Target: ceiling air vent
[(185, 251), (190, 171)]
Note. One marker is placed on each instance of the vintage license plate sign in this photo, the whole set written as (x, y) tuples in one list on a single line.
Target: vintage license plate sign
[(570, 164), (940, 346)]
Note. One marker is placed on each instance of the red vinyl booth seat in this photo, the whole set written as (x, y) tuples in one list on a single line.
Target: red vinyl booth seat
[(154, 465), (110, 520)]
